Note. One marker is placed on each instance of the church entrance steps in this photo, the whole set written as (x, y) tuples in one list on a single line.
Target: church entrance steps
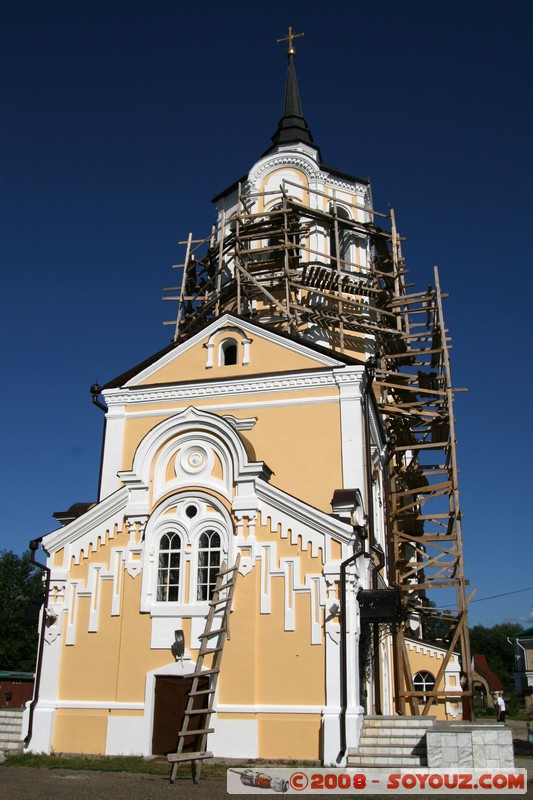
[(11, 730), (391, 742)]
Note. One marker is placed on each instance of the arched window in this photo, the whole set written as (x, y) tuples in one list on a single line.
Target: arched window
[(228, 353), (168, 572), (343, 234), (424, 682), (209, 552), (285, 230)]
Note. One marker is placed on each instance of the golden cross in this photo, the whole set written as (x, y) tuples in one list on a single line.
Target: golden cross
[(291, 51)]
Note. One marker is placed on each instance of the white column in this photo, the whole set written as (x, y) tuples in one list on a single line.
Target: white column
[(354, 710), (331, 732), (45, 711), (350, 383), (112, 450)]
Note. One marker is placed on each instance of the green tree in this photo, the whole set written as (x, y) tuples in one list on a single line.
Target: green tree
[(494, 644), (21, 584)]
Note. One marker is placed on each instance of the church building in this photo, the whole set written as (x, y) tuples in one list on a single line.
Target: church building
[(270, 442)]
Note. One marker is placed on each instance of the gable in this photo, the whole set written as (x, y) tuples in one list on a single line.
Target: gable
[(231, 348)]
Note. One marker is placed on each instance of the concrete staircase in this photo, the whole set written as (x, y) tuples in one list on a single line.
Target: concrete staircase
[(10, 731), (391, 742)]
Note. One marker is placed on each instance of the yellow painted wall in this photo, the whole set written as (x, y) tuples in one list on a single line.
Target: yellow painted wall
[(80, 731), (289, 736), (424, 661), (429, 662), (301, 445), (89, 668), (264, 357), (238, 680), (290, 439)]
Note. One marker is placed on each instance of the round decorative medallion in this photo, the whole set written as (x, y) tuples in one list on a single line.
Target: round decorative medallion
[(193, 460)]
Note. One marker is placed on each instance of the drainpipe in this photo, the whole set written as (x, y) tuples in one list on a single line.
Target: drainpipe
[(371, 534), (34, 546), (95, 392), (344, 671), (392, 580)]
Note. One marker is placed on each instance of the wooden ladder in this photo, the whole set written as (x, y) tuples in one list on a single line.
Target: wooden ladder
[(200, 701)]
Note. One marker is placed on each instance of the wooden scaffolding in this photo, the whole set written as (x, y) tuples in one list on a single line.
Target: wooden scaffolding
[(338, 275)]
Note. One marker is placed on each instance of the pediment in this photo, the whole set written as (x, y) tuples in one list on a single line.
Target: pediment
[(231, 348)]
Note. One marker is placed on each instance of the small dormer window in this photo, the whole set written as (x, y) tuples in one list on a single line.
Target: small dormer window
[(227, 347), (228, 353)]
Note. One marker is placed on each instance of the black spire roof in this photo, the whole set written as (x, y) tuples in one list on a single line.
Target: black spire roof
[(292, 127)]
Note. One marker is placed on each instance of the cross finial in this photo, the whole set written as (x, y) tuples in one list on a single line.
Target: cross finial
[(291, 36)]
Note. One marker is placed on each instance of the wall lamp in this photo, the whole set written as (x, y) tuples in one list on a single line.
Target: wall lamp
[(178, 645)]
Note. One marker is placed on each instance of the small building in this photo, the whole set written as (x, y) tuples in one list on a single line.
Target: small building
[(16, 688), (523, 674)]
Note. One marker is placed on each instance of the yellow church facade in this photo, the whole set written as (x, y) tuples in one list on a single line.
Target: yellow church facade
[(184, 456)]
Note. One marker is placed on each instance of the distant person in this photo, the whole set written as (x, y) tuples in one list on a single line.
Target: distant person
[(500, 707)]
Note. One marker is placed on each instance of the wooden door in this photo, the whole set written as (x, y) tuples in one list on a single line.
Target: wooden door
[(171, 694)]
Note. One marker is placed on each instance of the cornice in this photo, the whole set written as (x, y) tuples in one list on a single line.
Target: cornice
[(287, 159), (337, 183), (230, 388), (351, 375), (97, 515), (321, 523)]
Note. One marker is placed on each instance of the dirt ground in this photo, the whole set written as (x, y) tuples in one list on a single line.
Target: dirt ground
[(26, 783)]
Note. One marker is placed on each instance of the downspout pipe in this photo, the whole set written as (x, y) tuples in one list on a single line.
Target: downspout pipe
[(344, 670), (34, 546), (392, 582), (95, 391), (370, 371)]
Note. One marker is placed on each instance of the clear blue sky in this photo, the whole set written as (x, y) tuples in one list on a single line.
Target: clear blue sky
[(123, 118)]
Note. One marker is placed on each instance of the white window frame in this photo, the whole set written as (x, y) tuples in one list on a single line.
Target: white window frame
[(428, 679), (169, 528), (190, 530), (197, 550), (224, 346)]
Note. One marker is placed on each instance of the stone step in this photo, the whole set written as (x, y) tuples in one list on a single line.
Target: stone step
[(396, 742), (11, 736), (387, 761), (10, 746), (390, 741), (393, 733), (10, 724), (11, 730), (395, 722), (382, 747)]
